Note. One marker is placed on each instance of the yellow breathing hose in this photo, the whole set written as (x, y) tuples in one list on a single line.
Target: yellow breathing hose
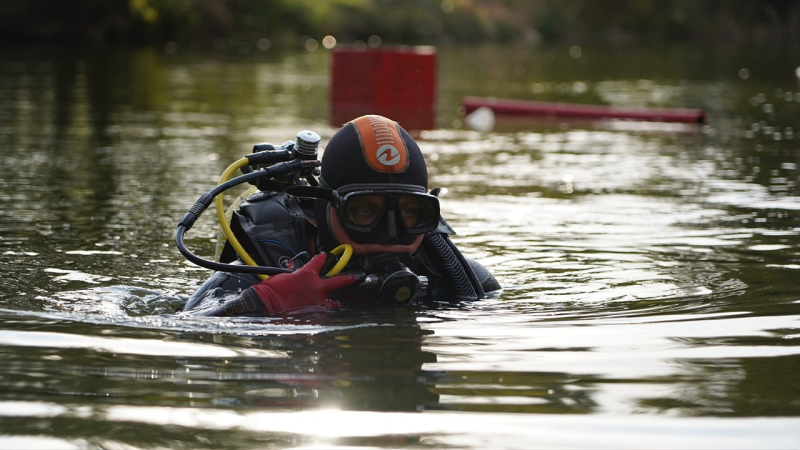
[(345, 250), (226, 228)]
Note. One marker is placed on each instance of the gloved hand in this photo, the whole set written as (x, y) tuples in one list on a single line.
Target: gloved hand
[(301, 288)]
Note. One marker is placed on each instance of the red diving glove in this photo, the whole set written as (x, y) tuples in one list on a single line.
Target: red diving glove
[(301, 288)]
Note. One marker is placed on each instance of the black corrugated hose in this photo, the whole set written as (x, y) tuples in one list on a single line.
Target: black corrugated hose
[(466, 283)]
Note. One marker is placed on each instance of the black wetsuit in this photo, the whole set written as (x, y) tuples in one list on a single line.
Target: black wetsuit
[(274, 228)]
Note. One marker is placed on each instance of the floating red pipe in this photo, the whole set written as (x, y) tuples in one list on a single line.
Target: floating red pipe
[(595, 112)]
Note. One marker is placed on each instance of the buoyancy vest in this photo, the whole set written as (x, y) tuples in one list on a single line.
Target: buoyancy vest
[(273, 227)]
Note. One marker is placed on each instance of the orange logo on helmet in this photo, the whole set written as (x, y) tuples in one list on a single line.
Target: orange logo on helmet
[(384, 148)]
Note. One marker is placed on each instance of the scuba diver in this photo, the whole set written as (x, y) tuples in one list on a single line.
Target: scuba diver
[(370, 199)]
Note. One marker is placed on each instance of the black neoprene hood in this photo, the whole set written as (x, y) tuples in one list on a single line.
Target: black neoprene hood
[(352, 153)]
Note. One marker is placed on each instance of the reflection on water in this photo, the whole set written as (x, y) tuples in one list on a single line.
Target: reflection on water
[(650, 270)]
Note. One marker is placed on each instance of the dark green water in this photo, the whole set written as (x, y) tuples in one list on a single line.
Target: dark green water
[(651, 271)]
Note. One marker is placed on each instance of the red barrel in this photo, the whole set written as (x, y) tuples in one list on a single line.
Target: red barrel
[(396, 82)]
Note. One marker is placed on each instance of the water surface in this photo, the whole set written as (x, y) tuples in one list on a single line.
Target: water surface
[(650, 271)]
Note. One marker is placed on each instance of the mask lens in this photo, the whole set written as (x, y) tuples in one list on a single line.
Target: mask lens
[(371, 212), (363, 211), (417, 213)]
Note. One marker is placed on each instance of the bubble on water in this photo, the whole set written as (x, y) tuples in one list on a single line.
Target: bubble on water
[(744, 73), (575, 51), (311, 45), (755, 127), (788, 166), (329, 42), (761, 98), (768, 108)]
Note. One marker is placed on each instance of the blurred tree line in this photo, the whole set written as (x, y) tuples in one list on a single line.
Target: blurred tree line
[(250, 23)]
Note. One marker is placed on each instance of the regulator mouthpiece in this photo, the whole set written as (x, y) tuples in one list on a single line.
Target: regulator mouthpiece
[(390, 281), (397, 287)]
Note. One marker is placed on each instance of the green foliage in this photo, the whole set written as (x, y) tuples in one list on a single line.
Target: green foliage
[(242, 23), (143, 10)]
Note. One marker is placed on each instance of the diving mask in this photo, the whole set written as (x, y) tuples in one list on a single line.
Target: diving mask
[(379, 214)]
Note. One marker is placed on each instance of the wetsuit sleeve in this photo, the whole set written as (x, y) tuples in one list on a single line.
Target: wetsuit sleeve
[(246, 304), (486, 279)]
